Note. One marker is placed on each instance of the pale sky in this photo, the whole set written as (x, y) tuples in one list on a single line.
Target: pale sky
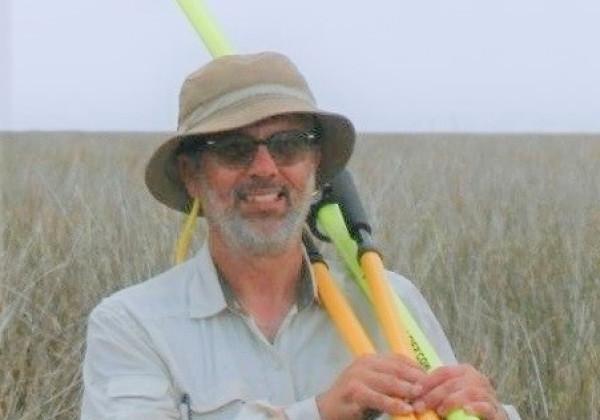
[(396, 65)]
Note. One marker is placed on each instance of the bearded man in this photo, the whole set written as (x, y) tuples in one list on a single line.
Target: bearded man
[(238, 332)]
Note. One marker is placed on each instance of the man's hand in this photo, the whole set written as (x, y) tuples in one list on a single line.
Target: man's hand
[(462, 386), (385, 383)]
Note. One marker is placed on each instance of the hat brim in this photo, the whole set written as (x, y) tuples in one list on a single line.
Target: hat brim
[(337, 136)]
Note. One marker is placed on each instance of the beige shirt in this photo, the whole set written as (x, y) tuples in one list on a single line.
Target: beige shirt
[(178, 346)]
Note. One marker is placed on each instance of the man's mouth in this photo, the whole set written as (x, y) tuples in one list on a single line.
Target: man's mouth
[(262, 198), (262, 195)]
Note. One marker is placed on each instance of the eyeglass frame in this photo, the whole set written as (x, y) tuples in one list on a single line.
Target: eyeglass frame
[(194, 145)]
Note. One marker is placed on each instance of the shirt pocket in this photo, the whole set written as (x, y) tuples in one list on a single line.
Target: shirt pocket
[(139, 397), (138, 386), (221, 401)]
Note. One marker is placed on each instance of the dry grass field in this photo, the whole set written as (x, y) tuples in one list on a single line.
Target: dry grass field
[(501, 233)]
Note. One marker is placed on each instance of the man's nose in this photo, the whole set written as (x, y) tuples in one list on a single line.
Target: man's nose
[(263, 163)]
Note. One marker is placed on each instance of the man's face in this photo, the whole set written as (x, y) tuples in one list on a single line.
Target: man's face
[(259, 207)]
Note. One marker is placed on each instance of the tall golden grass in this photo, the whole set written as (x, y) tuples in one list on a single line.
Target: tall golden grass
[(501, 233)]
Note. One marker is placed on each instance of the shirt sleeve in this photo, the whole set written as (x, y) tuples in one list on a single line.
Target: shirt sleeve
[(123, 377)]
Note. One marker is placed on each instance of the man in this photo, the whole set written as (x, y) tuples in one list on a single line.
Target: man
[(238, 330)]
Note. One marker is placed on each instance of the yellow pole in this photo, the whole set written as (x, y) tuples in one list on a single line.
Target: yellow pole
[(344, 318), (217, 45), (393, 330), (185, 238), (341, 313)]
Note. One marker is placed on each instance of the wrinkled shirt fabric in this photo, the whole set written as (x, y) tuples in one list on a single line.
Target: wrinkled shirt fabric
[(178, 346)]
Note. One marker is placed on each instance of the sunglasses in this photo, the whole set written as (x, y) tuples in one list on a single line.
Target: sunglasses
[(238, 150)]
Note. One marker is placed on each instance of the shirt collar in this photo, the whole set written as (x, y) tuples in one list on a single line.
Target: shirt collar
[(204, 291), (209, 293)]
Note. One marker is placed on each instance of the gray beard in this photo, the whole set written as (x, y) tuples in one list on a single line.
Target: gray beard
[(245, 235)]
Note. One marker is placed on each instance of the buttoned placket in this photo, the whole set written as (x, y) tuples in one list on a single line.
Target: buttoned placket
[(278, 375)]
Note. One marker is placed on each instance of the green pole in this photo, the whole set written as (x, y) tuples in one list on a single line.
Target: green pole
[(206, 27)]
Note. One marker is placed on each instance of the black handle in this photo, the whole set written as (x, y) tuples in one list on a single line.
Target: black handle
[(343, 191)]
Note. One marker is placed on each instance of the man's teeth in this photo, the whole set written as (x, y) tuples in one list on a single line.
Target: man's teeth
[(262, 198)]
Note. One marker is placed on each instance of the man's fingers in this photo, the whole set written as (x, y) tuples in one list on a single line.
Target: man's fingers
[(448, 373), (450, 387), (400, 366), (486, 410), (441, 375), (436, 396), (457, 393), (391, 385), (374, 382), (465, 397), (369, 398)]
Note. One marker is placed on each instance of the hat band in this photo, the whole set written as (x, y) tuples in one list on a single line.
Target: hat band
[(234, 97)]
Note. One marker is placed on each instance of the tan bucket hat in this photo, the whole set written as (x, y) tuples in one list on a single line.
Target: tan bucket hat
[(234, 91)]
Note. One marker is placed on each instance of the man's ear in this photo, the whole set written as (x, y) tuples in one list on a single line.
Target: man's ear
[(188, 173)]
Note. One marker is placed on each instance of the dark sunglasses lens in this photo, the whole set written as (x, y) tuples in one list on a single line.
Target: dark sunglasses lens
[(234, 150), (289, 146), (285, 148)]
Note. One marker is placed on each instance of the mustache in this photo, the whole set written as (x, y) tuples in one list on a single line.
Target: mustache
[(260, 185)]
